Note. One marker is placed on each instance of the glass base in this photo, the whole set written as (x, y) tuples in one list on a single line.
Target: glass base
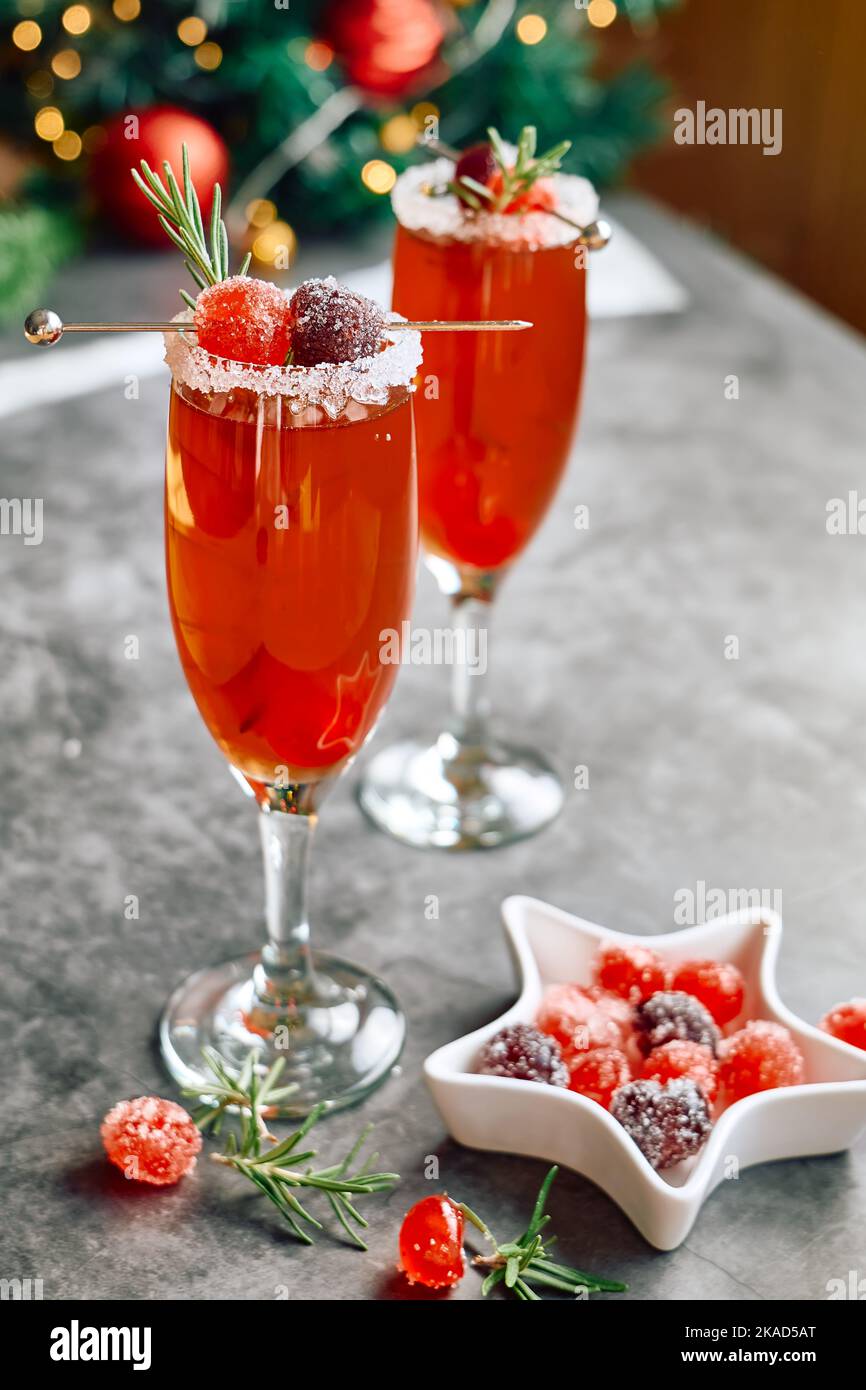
[(337, 1047), (451, 796)]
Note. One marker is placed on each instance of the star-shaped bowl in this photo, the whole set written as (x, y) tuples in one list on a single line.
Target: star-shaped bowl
[(491, 1112)]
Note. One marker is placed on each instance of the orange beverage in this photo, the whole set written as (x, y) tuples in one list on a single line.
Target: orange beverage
[(290, 545), (495, 428)]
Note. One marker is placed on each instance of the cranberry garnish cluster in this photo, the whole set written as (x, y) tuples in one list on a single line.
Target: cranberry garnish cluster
[(488, 178), (431, 1251), (656, 1045), (253, 321)]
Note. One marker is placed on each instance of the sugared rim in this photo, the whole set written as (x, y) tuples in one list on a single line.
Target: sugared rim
[(445, 217), (369, 380)]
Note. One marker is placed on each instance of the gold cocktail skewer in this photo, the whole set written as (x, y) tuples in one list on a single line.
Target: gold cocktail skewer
[(43, 327)]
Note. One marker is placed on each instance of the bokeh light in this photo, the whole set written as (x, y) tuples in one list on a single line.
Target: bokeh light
[(126, 10), (68, 145), (192, 31), (48, 123), (76, 20), (261, 212), (601, 13), (531, 28), (66, 64), (378, 176), (277, 243), (318, 56), (27, 35), (208, 56), (399, 134)]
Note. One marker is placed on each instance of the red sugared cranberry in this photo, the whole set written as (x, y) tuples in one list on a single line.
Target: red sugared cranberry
[(431, 1243), (245, 320), (634, 972), (333, 324), (599, 1073), (759, 1057), (525, 1054), (576, 1019), (151, 1140), (668, 1123), (718, 984), (680, 1058), (847, 1022), (477, 163)]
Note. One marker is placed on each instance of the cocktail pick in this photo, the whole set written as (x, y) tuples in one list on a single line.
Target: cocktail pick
[(594, 235), (43, 327)]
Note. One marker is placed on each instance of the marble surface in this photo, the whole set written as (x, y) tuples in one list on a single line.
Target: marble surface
[(707, 522)]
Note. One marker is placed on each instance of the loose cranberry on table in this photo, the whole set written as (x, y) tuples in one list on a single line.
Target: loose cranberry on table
[(431, 1243), (847, 1022), (244, 320), (671, 1014), (694, 1061), (634, 972), (718, 984), (759, 1057), (151, 1140), (525, 1054), (668, 1123), (599, 1073)]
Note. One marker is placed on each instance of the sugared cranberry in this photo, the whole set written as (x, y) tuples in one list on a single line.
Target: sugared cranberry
[(634, 972), (524, 1053), (599, 1073), (431, 1243), (759, 1057), (151, 1140), (671, 1014), (333, 324), (680, 1058), (245, 320), (478, 163), (847, 1022), (668, 1123), (718, 984), (575, 1018)]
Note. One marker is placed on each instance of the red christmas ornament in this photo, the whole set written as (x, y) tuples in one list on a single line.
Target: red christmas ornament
[(384, 45), (154, 134)]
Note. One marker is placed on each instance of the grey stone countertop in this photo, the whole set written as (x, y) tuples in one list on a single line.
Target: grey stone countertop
[(708, 520)]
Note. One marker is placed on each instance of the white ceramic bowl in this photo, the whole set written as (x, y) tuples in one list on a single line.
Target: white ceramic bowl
[(508, 1116)]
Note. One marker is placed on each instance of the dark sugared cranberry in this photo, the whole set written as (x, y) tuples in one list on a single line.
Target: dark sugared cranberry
[(333, 324), (524, 1053), (668, 1123), (671, 1014)]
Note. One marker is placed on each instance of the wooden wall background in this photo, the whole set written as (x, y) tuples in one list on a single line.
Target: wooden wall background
[(801, 213)]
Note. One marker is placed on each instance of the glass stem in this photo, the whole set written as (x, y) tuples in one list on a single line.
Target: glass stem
[(285, 975), (470, 703)]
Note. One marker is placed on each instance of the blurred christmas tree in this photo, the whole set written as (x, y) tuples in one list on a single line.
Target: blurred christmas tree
[(319, 104)]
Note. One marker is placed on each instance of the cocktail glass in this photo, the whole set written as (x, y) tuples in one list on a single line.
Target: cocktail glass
[(291, 543), (495, 417)]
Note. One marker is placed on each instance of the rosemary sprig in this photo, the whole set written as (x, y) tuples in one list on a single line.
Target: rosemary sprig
[(255, 1099), (179, 215), (278, 1173), (517, 177), (518, 1264)]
